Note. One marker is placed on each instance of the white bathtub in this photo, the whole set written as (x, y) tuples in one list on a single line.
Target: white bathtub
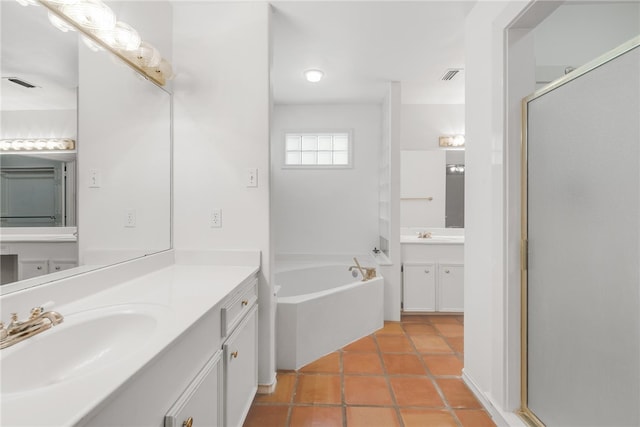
[(321, 309)]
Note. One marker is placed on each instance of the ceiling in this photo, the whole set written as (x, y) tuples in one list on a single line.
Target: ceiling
[(363, 45), (36, 52)]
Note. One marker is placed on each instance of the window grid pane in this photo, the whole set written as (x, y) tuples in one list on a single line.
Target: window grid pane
[(325, 149)]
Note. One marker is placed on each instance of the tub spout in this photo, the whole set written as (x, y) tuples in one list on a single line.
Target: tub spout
[(366, 272)]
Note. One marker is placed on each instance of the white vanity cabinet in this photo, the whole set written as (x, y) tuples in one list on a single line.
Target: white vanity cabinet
[(207, 377), (433, 277)]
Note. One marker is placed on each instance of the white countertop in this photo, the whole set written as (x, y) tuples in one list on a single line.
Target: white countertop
[(185, 293), (433, 240), (38, 234)]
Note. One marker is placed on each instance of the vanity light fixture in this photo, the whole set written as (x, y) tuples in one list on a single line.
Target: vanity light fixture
[(98, 25), (37, 144), (451, 141), (314, 75)]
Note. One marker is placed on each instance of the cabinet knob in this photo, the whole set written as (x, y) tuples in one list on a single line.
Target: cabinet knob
[(188, 422), (426, 271), (39, 267), (57, 267), (245, 302), (446, 271), (234, 355)]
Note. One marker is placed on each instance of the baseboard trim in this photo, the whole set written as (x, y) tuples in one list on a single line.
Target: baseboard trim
[(267, 388), (500, 417)]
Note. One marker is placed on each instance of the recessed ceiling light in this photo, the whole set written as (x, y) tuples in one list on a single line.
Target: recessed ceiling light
[(313, 76)]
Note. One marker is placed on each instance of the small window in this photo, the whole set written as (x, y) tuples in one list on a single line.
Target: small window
[(317, 149)]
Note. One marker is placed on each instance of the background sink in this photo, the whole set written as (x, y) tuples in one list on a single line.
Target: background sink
[(84, 342)]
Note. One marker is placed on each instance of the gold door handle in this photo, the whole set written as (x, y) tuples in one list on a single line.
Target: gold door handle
[(234, 355), (188, 422), (245, 302)]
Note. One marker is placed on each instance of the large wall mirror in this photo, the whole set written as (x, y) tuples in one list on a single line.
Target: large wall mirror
[(107, 200)]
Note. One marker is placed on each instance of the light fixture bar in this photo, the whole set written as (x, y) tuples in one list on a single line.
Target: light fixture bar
[(155, 74), (37, 144), (451, 141)]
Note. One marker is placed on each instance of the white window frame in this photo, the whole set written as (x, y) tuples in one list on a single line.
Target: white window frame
[(348, 132)]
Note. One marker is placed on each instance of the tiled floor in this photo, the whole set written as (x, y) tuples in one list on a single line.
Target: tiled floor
[(406, 374)]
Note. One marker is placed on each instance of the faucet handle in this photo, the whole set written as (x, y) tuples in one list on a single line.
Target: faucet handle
[(35, 312)]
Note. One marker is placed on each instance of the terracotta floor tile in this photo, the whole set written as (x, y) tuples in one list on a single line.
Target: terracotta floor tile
[(316, 416), (427, 417), (394, 344), (391, 328), (361, 390), (366, 344), (361, 363), (318, 389), (403, 364), (457, 393), (416, 318), (474, 418), (267, 416), (456, 343), (284, 390), (451, 329), (446, 364), (431, 344), (371, 417), (447, 318), (415, 391), (329, 364), (419, 329)]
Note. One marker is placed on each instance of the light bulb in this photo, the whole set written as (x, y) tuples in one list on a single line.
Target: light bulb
[(145, 56), (313, 76), (59, 23), (121, 37), (91, 14), (165, 69)]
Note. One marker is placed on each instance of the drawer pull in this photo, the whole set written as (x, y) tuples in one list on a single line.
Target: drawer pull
[(234, 355), (446, 271), (426, 271), (188, 422), (39, 267), (245, 302)]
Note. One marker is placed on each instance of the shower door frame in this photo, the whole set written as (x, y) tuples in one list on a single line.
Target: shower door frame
[(525, 412)]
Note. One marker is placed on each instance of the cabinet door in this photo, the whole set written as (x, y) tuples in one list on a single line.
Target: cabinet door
[(200, 404), (451, 287), (419, 287), (241, 369)]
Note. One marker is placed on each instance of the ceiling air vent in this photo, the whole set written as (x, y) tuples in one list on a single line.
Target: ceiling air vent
[(450, 74), (20, 82)]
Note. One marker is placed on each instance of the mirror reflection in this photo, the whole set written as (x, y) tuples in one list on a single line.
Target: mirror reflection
[(72, 209)]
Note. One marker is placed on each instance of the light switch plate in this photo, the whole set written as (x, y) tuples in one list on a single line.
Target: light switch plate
[(130, 218), (252, 177), (94, 178), (216, 218)]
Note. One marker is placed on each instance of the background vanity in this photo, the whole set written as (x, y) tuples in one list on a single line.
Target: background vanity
[(432, 200)]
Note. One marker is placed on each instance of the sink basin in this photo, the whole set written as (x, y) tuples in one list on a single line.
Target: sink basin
[(84, 342)]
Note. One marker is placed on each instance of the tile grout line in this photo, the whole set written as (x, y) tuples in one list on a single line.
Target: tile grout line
[(432, 377), (385, 373)]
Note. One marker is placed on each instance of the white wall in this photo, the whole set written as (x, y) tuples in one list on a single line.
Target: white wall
[(422, 124), (332, 211), (221, 128), (38, 124)]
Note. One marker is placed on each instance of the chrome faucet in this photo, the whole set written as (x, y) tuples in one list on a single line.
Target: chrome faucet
[(39, 321), (367, 273)]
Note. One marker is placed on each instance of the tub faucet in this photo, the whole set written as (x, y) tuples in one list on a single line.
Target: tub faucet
[(17, 330), (367, 273)]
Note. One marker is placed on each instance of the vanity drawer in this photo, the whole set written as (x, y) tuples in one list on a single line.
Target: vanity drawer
[(238, 305)]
